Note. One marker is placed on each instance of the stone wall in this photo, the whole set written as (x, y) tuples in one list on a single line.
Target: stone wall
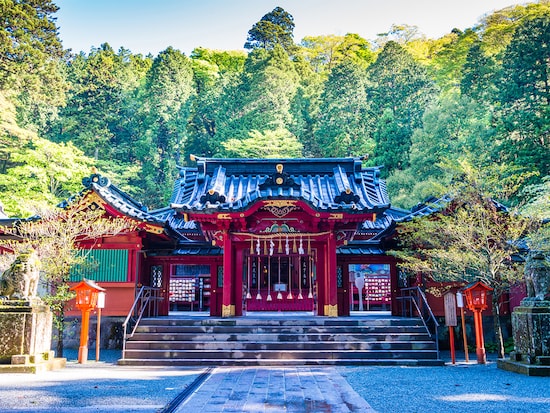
[(25, 329), (111, 333)]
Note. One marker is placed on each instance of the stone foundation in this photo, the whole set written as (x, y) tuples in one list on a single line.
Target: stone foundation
[(531, 329), (25, 337)]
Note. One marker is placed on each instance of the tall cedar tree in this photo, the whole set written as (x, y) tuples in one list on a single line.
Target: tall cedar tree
[(342, 126), (275, 28), (525, 97), (400, 89)]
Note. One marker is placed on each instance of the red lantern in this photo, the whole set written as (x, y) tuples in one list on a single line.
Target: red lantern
[(87, 292), (476, 300)]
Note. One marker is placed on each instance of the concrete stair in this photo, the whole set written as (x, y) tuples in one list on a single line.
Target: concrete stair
[(280, 341)]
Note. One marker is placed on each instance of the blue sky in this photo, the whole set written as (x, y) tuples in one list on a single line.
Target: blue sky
[(150, 26)]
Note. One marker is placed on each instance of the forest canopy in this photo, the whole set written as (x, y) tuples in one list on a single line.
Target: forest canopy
[(414, 105)]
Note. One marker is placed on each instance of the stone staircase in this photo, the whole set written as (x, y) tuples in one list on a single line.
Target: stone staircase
[(280, 341)]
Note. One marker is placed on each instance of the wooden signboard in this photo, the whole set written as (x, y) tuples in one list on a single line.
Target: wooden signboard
[(450, 309)]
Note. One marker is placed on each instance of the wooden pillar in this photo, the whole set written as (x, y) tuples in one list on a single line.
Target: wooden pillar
[(228, 300), (331, 290)]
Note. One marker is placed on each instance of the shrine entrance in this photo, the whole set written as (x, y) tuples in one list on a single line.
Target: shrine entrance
[(284, 280)]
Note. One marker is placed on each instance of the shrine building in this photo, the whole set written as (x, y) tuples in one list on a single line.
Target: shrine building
[(250, 235)]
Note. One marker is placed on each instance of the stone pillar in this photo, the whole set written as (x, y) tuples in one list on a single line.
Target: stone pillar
[(25, 336), (531, 329), (531, 322)]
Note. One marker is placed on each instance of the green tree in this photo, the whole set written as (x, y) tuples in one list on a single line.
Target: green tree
[(525, 97), (325, 52), (473, 238), (279, 143), (35, 172), (342, 127), (217, 74), (454, 128), (30, 57), (401, 89), (261, 100), (94, 112), (274, 28), (169, 92), (56, 237), (479, 75)]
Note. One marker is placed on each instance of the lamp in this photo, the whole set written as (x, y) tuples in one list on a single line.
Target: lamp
[(476, 300), (87, 293)]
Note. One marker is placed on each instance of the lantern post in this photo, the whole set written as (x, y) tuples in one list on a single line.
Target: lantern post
[(476, 299), (100, 305), (86, 299)]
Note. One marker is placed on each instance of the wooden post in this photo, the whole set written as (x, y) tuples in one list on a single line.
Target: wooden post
[(83, 349), (98, 334), (460, 303), (450, 320)]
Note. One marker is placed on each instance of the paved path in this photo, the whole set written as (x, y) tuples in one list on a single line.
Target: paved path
[(272, 389)]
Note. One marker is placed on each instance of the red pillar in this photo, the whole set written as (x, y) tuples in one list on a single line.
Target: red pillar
[(331, 291), (228, 300), (480, 344)]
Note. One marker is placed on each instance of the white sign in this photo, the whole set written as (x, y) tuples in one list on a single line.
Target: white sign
[(459, 300)]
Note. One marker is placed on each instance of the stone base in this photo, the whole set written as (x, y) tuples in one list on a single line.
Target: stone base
[(531, 329), (25, 333), (524, 368), (34, 368)]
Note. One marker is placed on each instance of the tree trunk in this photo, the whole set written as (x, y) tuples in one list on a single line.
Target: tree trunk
[(60, 334), (497, 325)]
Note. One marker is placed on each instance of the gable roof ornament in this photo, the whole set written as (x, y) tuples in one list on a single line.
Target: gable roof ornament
[(279, 178)]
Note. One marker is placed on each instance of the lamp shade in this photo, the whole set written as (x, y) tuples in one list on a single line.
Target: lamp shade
[(86, 294), (476, 296)]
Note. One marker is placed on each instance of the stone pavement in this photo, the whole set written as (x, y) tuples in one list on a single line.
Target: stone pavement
[(274, 389)]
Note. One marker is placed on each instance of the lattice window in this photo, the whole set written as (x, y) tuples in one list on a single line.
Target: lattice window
[(156, 276)]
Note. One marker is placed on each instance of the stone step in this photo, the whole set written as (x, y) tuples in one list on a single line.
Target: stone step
[(343, 337), (279, 321), (280, 346), (261, 329), (280, 340), (281, 363), (277, 354)]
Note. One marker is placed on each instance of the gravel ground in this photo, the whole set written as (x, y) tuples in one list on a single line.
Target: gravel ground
[(454, 388), (94, 387), (106, 387)]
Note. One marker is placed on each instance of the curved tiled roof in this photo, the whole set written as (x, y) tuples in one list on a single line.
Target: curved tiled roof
[(117, 198), (340, 184)]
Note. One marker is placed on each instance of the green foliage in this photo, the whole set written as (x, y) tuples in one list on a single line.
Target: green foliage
[(471, 239), (399, 91), (342, 127), (269, 144), (56, 237), (274, 29), (34, 171), (325, 52), (525, 97), (456, 128)]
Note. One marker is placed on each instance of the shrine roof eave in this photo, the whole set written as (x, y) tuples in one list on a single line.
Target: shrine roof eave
[(343, 211), (117, 203)]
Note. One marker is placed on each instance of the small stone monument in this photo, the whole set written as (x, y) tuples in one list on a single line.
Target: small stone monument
[(531, 322), (25, 321)]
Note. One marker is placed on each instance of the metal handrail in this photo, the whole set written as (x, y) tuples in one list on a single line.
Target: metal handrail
[(417, 298), (147, 300)]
